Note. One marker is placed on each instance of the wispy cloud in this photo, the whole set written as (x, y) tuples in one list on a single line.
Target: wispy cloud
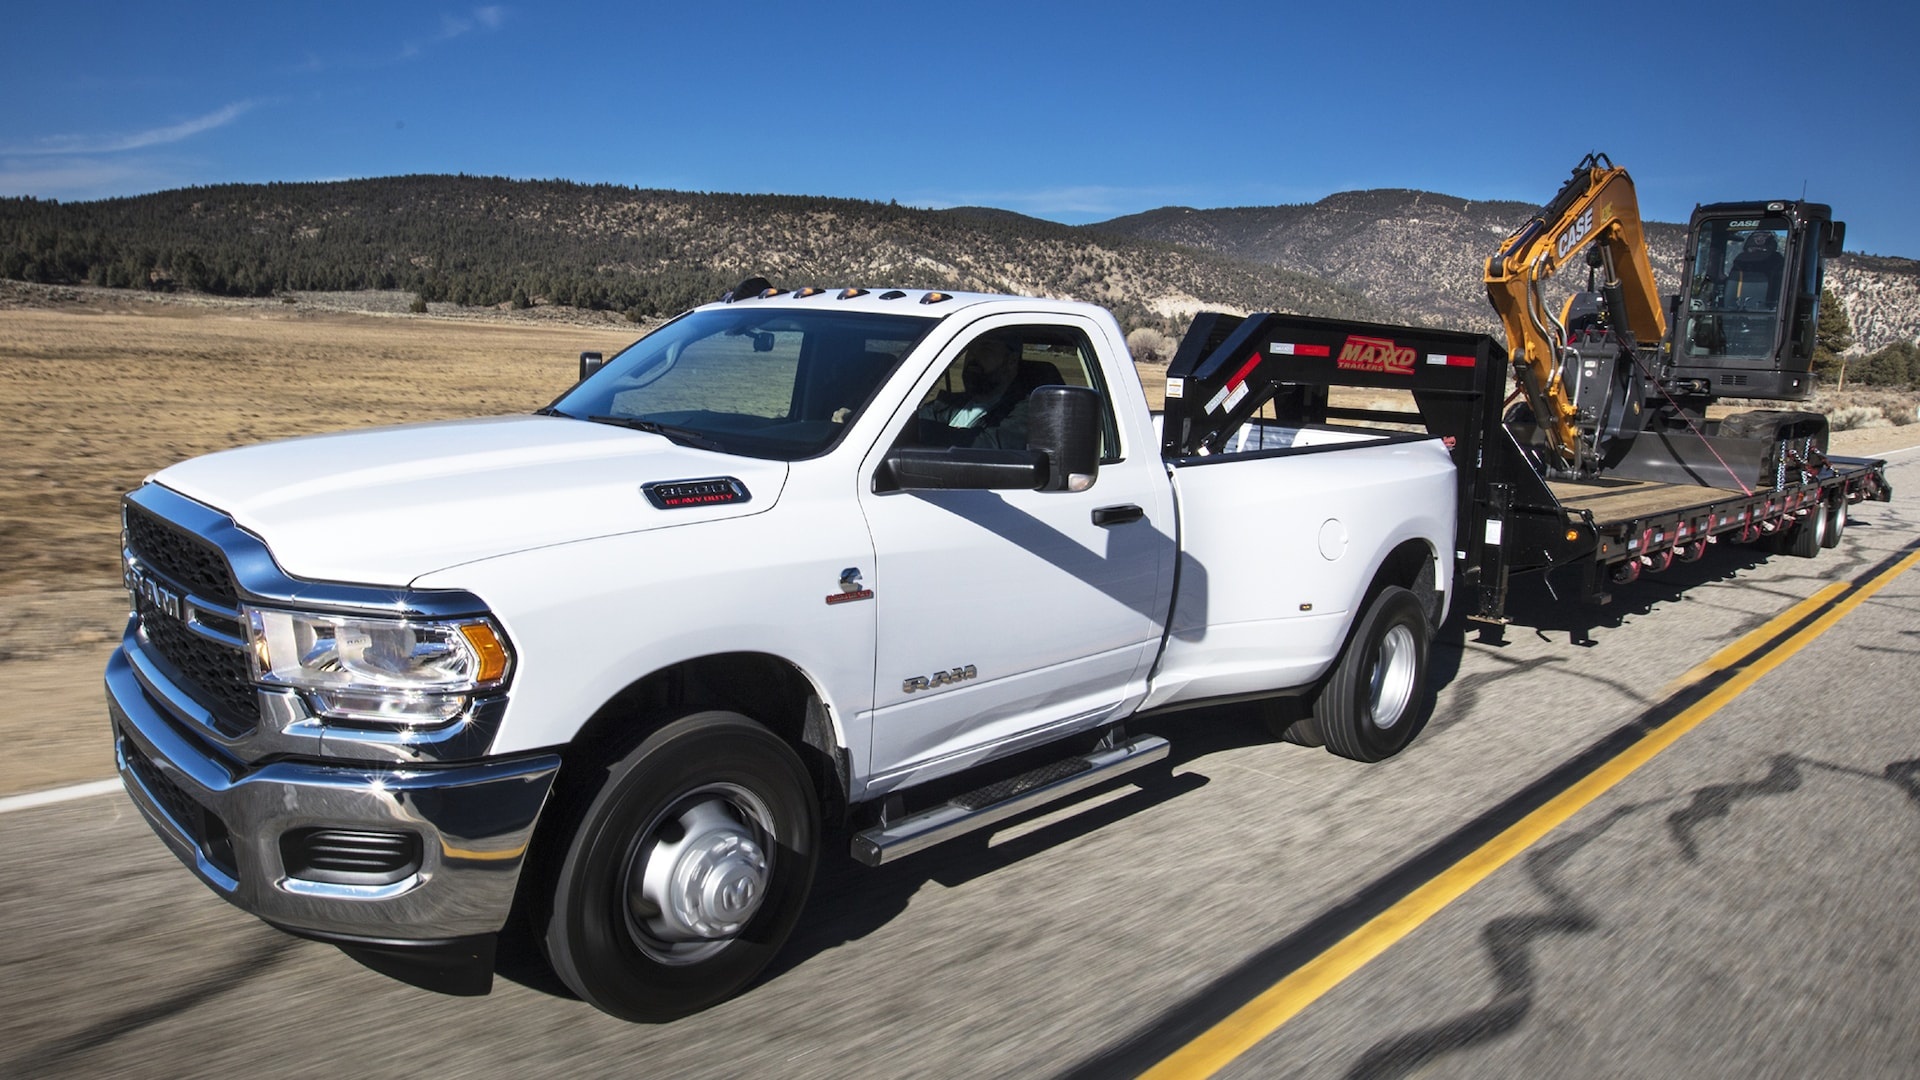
[(480, 18), (80, 145), (475, 20)]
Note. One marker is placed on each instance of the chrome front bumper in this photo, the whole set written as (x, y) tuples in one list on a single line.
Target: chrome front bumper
[(229, 822)]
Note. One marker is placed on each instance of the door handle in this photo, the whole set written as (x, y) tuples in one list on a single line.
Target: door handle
[(1117, 515)]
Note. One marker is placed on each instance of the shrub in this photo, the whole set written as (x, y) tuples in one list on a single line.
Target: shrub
[(1856, 416), (1150, 346)]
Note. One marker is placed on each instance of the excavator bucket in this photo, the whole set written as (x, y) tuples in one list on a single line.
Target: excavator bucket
[(1752, 451)]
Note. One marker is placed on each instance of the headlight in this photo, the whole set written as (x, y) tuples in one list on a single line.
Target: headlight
[(386, 671)]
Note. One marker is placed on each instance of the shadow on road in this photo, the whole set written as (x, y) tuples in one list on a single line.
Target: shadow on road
[(850, 901)]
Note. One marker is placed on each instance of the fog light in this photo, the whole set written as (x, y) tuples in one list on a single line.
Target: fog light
[(350, 856)]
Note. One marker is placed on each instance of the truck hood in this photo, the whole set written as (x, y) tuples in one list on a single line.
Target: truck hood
[(383, 506)]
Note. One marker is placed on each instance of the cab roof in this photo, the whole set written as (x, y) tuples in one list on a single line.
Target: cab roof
[(932, 303)]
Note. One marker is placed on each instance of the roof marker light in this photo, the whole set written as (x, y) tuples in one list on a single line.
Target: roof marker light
[(848, 294), (802, 294), (892, 294), (768, 292), (935, 298)]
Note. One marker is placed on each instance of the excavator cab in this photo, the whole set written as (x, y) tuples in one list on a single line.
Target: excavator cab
[(1750, 300)]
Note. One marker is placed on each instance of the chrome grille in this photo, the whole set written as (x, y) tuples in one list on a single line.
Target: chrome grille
[(213, 673), (181, 556)]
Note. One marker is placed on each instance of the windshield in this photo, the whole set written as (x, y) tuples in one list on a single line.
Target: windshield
[(1739, 268), (776, 383)]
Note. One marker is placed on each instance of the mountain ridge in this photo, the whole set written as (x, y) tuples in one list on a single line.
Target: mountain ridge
[(1385, 255)]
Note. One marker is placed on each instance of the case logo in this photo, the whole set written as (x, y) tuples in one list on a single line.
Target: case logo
[(1377, 355), (1575, 235)]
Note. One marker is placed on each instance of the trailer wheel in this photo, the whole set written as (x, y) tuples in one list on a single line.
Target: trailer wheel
[(1377, 698), (685, 870), (1807, 536), (1836, 523)]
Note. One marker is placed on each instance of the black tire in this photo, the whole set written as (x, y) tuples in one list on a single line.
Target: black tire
[(1377, 698), (1836, 523), (1290, 722), (1808, 536), (730, 809)]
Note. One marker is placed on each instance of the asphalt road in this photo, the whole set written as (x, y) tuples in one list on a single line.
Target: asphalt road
[(1743, 905)]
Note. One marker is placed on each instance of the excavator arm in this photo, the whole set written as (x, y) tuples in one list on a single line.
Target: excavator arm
[(1596, 213)]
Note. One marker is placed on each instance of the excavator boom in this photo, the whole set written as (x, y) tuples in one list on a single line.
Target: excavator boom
[(1597, 215)]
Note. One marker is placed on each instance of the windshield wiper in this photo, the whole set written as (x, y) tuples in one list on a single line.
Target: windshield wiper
[(551, 411), (680, 435)]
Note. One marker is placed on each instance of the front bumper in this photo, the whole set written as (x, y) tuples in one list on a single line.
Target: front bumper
[(463, 831)]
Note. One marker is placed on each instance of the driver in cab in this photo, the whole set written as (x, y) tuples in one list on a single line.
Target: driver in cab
[(990, 408)]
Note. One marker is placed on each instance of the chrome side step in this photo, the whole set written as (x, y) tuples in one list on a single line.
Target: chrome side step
[(997, 802)]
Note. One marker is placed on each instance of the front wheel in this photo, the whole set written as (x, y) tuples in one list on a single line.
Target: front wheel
[(686, 870), (1377, 699)]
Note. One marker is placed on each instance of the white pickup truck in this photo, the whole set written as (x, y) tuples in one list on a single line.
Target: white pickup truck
[(763, 577)]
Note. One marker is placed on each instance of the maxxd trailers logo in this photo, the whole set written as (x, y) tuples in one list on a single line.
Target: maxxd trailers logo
[(1378, 355)]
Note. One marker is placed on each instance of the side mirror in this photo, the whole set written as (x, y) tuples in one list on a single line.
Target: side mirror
[(1063, 423), (1062, 454), (917, 468), (591, 362), (1836, 240)]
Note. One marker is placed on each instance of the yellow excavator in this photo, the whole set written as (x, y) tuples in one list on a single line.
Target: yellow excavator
[(1610, 365)]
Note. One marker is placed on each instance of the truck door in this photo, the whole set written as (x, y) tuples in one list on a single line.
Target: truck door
[(1008, 614)]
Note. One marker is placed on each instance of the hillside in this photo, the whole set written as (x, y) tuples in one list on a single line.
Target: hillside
[(1424, 252), (474, 240), (1390, 255)]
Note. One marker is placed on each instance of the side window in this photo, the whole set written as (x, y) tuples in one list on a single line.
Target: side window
[(981, 399)]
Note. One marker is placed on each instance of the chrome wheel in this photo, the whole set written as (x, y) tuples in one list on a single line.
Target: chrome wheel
[(698, 873), (686, 862), (1392, 682), (1375, 700)]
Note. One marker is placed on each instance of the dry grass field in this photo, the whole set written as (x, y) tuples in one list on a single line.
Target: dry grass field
[(94, 396)]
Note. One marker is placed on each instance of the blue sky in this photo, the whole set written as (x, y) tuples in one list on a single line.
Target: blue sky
[(1072, 111)]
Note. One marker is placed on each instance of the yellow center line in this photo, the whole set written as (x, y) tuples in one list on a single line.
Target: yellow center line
[(1264, 1015), (1738, 651)]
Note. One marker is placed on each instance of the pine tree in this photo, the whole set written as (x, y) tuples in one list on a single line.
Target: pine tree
[(1832, 337)]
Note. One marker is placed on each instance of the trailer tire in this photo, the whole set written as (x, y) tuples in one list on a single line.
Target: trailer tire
[(684, 871), (1807, 536), (1377, 698), (1836, 523)]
